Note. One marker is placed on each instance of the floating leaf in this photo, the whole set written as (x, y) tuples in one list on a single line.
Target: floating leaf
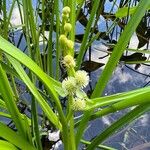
[(90, 66), (133, 57)]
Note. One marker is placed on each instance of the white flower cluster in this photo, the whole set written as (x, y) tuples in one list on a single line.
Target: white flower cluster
[(78, 104), (70, 86), (82, 78)]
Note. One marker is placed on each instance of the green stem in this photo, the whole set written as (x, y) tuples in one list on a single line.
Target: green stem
[(72, 4), (35, 125), (50, 43), (58, 53), (86, 34), (72, 135)]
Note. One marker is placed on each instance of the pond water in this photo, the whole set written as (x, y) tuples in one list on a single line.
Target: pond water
[(125, 78)]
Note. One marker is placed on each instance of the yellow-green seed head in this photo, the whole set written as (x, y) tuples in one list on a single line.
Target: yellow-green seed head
[(82, 78), (66, 10), (63, 40), (67, 27), (70, 44), (65, 16), (69, 85), (69, 61), (78, 105)]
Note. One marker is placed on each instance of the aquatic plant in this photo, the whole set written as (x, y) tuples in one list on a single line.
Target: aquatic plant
[(54, 80)]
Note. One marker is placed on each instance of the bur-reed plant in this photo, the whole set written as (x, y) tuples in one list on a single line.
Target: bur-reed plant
[(28, 130)]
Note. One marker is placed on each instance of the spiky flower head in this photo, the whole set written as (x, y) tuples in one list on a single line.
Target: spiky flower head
[(66, 10), (82, 78), (78, 104), (69, 85), (67, 27), (69, 61)]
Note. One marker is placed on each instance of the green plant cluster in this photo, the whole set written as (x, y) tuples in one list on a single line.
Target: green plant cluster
[(29, 129)]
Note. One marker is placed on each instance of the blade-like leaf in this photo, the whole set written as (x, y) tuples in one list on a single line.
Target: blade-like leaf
[(4, 145), (17, 140), (50, 83), (129, 117), (123, 12), (10, 102), (45, 107), (120, 47)]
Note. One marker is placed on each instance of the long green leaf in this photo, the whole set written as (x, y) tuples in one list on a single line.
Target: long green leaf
[(2, 104), (11, 50), (113, 60), (123, 12), (120, 47), (126, 99), (2, 114), (10, 102), (129, 117), (44, 105), (8, 69), (4, 145), (102, 147), (14, 138), (87, 31)]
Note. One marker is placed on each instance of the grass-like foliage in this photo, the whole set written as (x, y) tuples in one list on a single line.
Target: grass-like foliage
[(51, 75)]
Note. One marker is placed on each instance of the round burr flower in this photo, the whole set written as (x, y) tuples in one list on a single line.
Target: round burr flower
[(69, 85), (78, 104), (69, 61), (66, 10), (82, 78), (67, 27)]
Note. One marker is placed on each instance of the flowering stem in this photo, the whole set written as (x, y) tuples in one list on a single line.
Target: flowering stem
[(72, 136), (70, 113), (71, 71)]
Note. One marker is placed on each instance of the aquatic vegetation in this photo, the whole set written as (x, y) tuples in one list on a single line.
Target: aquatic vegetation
[(45, 80), (82, 78), (69, 61), (69, 85), (78, 104)]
